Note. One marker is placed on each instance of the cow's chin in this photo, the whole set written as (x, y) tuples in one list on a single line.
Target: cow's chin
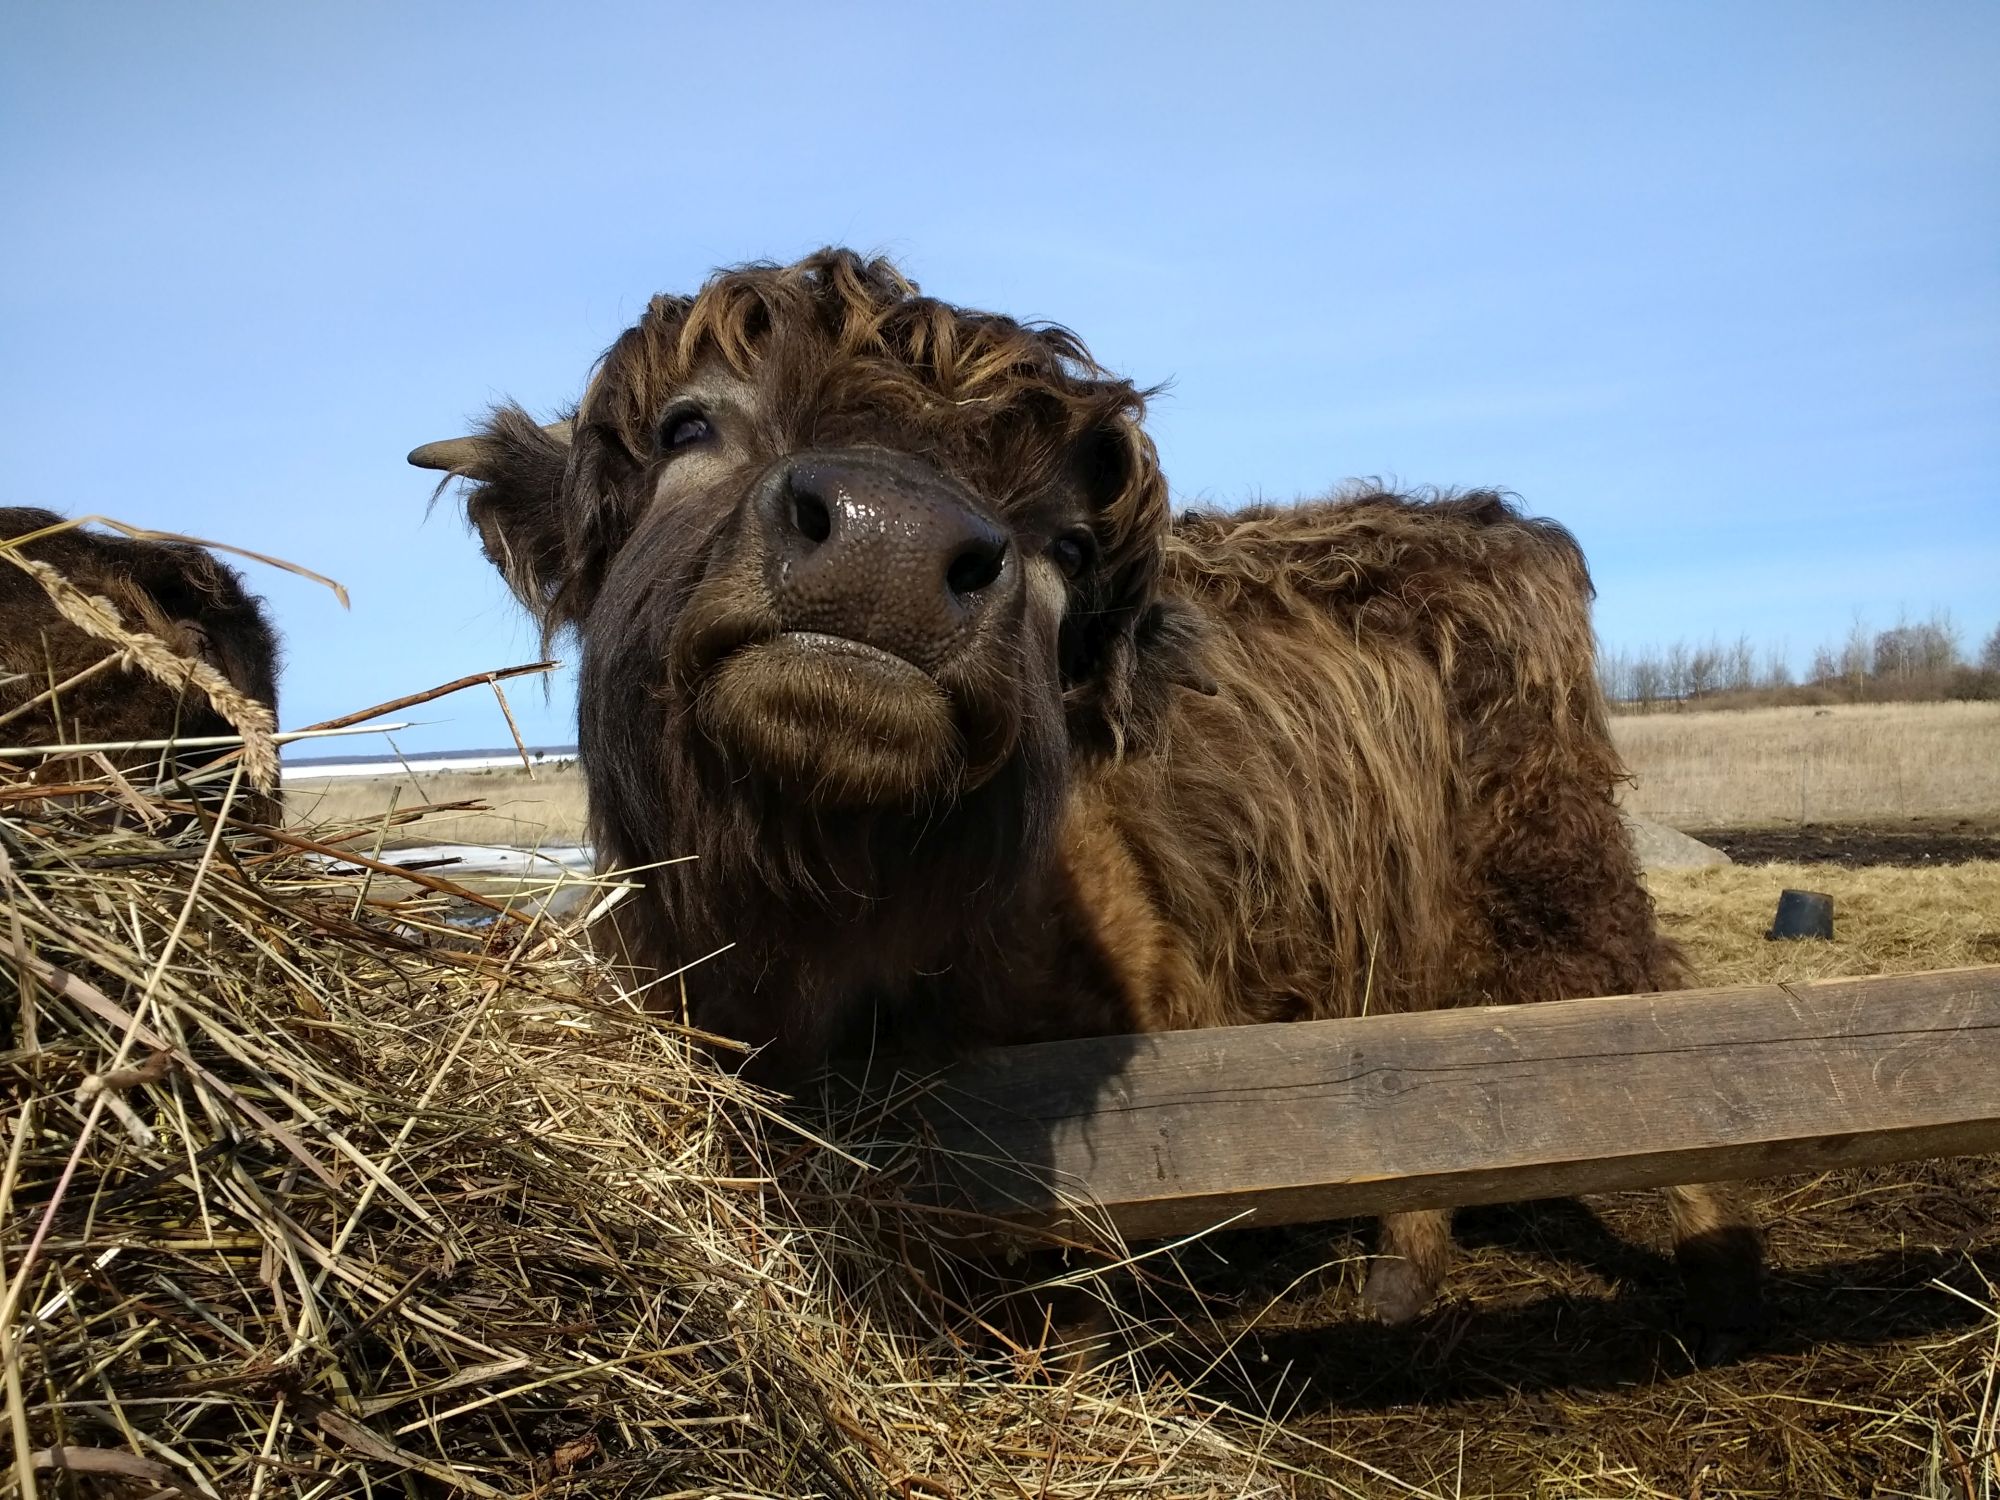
[(834, 722)]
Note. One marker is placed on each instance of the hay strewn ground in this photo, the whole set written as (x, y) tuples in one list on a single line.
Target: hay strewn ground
[(1887, 920), (311, 1189), (517, 811), (307, 1192), (1553, 1367)]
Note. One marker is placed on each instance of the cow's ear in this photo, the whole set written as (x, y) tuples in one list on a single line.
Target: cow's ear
[(1126, 703), (206, 607), (1171, 645), (1130, 648), (517, 468)]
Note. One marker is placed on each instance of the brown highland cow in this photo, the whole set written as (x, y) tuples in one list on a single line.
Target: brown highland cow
[(883, 616), (61, 685)]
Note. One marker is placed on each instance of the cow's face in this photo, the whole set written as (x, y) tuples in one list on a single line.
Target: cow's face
[(834, 601), (833, 537)]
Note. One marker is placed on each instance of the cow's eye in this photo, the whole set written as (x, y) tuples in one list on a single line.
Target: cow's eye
[(198, 637), (684, 427), (1073, 552)]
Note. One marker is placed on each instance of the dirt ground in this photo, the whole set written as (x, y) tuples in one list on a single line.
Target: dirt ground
[(1555, 1362), (1905, 842)]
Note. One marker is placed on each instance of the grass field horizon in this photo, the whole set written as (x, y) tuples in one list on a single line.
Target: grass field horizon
[(1742, 768)]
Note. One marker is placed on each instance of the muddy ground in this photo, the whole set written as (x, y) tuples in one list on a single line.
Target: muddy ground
[(1904, 841)]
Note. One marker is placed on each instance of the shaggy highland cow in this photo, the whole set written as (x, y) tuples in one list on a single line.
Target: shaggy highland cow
[(61, 685), (883, 616)]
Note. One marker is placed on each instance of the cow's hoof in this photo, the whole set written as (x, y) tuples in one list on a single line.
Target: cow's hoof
[(1722, 1330), (1396, 1292), (1723, 1275), (1717, 1344)]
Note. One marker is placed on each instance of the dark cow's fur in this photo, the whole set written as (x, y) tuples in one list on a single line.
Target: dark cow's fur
[(1286, 762), (180, 593)]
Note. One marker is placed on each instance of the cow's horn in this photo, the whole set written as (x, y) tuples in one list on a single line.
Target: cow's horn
[(465, 455), (468, 457)]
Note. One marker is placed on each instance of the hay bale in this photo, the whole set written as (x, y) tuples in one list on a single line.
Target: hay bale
[(305, 1191)]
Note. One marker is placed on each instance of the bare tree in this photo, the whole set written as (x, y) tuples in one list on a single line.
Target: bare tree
[(1649, 678), (1894, 655), (1705, 670), (1676, 664), (1989, 654), (1944, 637), (1777, 673), (1857, 657), (1614, 674), (1739, 666), (1917, 653)]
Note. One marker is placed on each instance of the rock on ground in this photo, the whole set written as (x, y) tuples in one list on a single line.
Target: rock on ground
[(1664, 848)]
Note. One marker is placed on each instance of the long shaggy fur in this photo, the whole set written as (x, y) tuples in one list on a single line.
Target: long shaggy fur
[(1290, 762), (1402, 796)]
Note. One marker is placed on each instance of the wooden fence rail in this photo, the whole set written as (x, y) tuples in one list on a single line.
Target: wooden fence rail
[(1179, 1131)]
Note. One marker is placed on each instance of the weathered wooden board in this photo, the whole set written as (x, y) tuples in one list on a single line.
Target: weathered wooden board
[(1179, 1131)]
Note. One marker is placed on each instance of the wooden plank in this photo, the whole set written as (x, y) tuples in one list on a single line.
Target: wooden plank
[(1178, 1131)]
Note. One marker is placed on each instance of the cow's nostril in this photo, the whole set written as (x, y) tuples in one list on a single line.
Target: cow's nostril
[(810, 518), (975, 566)]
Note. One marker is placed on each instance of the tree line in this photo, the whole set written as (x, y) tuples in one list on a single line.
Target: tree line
[(1909, 662)]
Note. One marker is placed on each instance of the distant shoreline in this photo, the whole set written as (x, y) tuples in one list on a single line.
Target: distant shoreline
[(316, 768)]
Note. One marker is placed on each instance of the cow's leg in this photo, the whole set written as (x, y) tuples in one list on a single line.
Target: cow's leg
[(1721, 1256), (1411, 1253)]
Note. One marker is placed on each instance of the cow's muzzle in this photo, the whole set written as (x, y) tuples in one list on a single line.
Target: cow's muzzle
[(884, 550)]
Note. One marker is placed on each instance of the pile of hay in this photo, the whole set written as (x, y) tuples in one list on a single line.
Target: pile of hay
[(307, 1192)]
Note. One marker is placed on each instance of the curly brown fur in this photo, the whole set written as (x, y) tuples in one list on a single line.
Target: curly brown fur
[(1402, 796), (180, 593), (1291, 762), (1401, 799)]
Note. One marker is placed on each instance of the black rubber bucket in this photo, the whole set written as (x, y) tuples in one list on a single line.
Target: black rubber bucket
[(1802, 914)]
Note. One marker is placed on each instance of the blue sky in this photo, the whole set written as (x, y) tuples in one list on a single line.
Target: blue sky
[(1716, 285)]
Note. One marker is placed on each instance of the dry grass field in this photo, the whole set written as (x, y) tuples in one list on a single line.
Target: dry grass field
[(520, 812), (1806, 765)]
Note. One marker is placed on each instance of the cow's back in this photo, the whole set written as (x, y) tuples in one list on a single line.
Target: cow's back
[(1401, 794)]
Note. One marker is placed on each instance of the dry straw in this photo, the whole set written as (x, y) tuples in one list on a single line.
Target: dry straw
[(311, 1187), (98, 618)]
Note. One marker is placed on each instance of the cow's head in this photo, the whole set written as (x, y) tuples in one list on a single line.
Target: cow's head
[(840, 539), (179, 593)]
